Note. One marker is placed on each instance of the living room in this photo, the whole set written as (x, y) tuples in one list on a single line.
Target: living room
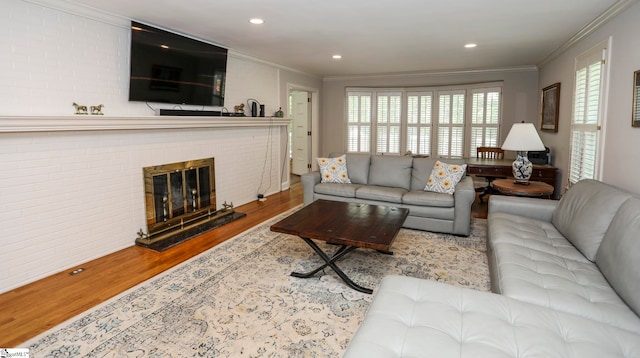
[(56, 67)]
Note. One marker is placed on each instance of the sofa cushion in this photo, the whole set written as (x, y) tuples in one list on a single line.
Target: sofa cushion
[(334, 170), (342, 190), (529, 233), (357, 166), (391, 171), (444, 177), (585, 212), (619, 254), (380, 193), (412, 317), (428, 198), (420, 172)]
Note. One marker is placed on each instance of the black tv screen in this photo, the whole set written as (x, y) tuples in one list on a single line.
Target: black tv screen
[(170, 68)]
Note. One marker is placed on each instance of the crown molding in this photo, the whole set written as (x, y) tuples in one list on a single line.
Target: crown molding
[(432, 73), (594, 25)]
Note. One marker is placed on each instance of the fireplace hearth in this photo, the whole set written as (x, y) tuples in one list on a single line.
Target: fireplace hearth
[(180, 202)]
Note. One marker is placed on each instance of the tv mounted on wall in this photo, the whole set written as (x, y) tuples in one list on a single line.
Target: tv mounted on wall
[(170, 68)]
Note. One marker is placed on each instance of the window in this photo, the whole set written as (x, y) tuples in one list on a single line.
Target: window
[(586, 119), (485, 118), (359, 122), (445, 122), (388, 123), (450, 123), (419, 111)]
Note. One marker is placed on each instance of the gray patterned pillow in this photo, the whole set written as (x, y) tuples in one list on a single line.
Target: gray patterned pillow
[(334, 170), (444, 177)]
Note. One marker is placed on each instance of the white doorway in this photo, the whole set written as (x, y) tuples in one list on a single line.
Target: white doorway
[(300, 109)]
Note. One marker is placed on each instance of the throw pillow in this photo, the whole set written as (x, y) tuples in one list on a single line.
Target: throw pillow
[(334, 170), (444, 177)]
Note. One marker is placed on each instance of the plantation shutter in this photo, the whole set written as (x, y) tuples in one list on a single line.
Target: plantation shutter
[(485, 118), (450, 124), (388, 123), (359, 122), (586, 117), (419, 107)]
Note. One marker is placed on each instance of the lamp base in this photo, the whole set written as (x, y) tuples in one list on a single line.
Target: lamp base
[(521, 182), (522, 168)]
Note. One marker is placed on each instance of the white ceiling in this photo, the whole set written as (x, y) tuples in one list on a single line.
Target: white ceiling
[(375, 36)]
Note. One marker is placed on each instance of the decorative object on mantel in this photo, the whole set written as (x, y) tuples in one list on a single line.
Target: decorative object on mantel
[(97, 109), (550, 108), (239, 109), (254, 103), (522, 138), (80, 109), (280, 113), (635, 111)]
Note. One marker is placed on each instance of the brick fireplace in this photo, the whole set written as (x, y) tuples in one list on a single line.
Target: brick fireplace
[(75, 190)]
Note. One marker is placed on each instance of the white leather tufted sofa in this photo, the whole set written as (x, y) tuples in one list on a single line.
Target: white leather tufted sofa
[(566, 282)]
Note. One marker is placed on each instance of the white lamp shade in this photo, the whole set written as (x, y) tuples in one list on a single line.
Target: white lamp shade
[(523, 137)]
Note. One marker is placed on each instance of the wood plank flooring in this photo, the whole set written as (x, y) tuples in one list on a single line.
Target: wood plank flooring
[(34, 308)]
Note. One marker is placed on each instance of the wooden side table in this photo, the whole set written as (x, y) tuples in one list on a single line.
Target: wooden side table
[(534, 189)]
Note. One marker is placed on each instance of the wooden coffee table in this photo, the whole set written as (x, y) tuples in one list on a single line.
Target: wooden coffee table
[(349, 225), (534, 188)]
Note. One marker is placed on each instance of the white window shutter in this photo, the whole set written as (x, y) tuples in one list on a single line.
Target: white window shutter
[(586, 121), (359, 122), (419, 108), (388, 122), (450, 126)]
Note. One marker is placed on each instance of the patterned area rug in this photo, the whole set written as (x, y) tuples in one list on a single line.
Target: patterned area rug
[(238, 299)]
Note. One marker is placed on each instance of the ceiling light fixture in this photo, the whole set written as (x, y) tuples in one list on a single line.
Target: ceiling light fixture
[(470, 45), (256, 21), (164, 46), (336, 57)]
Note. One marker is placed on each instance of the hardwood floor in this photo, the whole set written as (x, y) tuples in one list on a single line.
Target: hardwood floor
[(34, 308)]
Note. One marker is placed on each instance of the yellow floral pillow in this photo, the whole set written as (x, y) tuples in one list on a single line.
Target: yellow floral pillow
[(444, 177), (334, 170)]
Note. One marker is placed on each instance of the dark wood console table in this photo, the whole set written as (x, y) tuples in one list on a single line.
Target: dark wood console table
[(501, 168)]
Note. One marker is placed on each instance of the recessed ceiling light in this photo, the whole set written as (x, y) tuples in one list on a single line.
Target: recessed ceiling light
[(337, 57), (164, 46), (470, 45), (256, 21)]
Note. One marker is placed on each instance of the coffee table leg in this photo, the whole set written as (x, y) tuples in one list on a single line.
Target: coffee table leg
[(329, 261)]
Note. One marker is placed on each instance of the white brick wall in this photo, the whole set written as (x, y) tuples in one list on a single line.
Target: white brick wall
[(69, 197)]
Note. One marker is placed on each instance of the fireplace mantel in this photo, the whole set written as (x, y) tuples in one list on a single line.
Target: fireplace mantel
[(17, 124)]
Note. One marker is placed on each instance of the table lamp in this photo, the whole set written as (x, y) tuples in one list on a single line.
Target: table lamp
[(522, 138)]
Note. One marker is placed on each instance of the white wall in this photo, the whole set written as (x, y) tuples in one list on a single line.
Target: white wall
[(69, 197), (520, 97), (620, 140)]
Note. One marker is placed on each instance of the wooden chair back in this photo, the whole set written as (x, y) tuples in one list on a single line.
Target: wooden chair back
[(489, 153)]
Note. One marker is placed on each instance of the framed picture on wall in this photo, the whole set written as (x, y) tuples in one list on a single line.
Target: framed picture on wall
[(550, 108)]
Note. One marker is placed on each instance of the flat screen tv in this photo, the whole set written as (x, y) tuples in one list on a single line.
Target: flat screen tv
[(170, 68)]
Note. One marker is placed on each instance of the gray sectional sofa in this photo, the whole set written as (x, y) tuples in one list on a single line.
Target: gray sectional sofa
[(399, 181), (566, 282)]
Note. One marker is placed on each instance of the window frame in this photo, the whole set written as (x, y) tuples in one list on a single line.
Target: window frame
[(600, 52), (405, 93)]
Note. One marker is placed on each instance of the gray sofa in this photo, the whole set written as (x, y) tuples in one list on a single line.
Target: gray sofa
[(399, 181), (566, 282)]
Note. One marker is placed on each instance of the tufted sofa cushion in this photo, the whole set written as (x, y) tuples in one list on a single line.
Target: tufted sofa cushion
[(411, 317), (532, 262), (585, 212), (619, 254)]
